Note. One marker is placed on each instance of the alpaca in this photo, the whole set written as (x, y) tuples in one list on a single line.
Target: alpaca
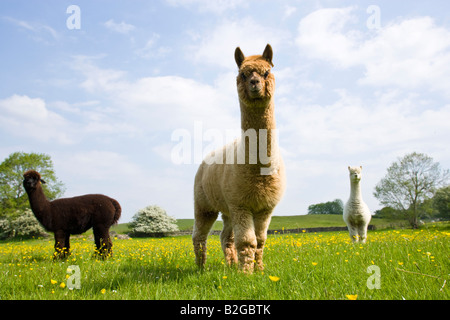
[(356, 213), (72, 215), (246, 190)]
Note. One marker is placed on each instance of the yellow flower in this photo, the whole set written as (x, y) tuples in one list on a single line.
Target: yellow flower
[(274, 278), (351, 296), (400, 263), (62, 285), (314, 263), (103, 291), (224, 277), (53, 281)]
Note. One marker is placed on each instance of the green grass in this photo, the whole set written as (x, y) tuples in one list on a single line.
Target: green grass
[(413, 264)]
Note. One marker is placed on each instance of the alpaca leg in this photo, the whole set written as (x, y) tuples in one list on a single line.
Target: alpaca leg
[(362, 231), (67, 245), (202, 225), (60, 244), (102, 241), (227, 241), (261, 225), (245, 240), (106, 244), (353, 233)]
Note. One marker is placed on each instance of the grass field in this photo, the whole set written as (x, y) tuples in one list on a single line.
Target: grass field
[(411, 264), (289, 222)]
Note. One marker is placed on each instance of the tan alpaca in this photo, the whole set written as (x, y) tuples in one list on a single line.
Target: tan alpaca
[(245, 179)]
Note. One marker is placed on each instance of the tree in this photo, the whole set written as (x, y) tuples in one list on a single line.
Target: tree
[(409, 182), (386, 212), (441, 202), (152, 219), (13, 198), (330, 207)]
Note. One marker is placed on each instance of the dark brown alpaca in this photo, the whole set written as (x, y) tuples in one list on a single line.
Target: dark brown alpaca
[(72, 215)]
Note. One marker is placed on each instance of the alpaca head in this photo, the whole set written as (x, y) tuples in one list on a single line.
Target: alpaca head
[(255, 82), (31, 179), (355, 173)]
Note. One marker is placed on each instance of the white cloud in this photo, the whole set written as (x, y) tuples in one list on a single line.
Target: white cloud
[(320, 36), (217, 46), (97, 78), (100, 165), (289, 10), (151, 50), (352, 125), (121, 27), (39, 31), (408, 53), (163, 102), (217, 7), (30, 118)]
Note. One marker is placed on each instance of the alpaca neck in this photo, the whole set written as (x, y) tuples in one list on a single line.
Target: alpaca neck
[(258, 117), (259, 137), (39, 204), (355, 192)]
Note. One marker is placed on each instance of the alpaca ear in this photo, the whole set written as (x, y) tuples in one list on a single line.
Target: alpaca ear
[(268, 54), (348, 168), (42, 181), (239, 56), (360, 167)]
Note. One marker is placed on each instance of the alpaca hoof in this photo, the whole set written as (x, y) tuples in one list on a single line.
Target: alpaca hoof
[(103, 254), (230, 256), (259, 266), (247, 269), (200, 262), (61, 255)]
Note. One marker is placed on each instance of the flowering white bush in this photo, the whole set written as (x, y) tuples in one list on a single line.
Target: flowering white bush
[(24, 226), (6, 230), (152, 219)]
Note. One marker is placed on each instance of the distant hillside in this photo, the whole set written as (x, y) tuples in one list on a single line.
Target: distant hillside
[(302, 221), (288, 222)]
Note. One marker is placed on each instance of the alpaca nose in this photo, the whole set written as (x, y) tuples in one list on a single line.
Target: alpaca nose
[(254, 81)]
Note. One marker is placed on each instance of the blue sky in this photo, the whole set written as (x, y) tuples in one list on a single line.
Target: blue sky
[(105, 100)]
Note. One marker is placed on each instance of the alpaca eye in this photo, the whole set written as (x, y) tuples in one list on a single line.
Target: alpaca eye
[(266, 74), (243, 76)]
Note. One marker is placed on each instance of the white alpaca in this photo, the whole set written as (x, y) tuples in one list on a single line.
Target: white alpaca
[(356, 213)]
